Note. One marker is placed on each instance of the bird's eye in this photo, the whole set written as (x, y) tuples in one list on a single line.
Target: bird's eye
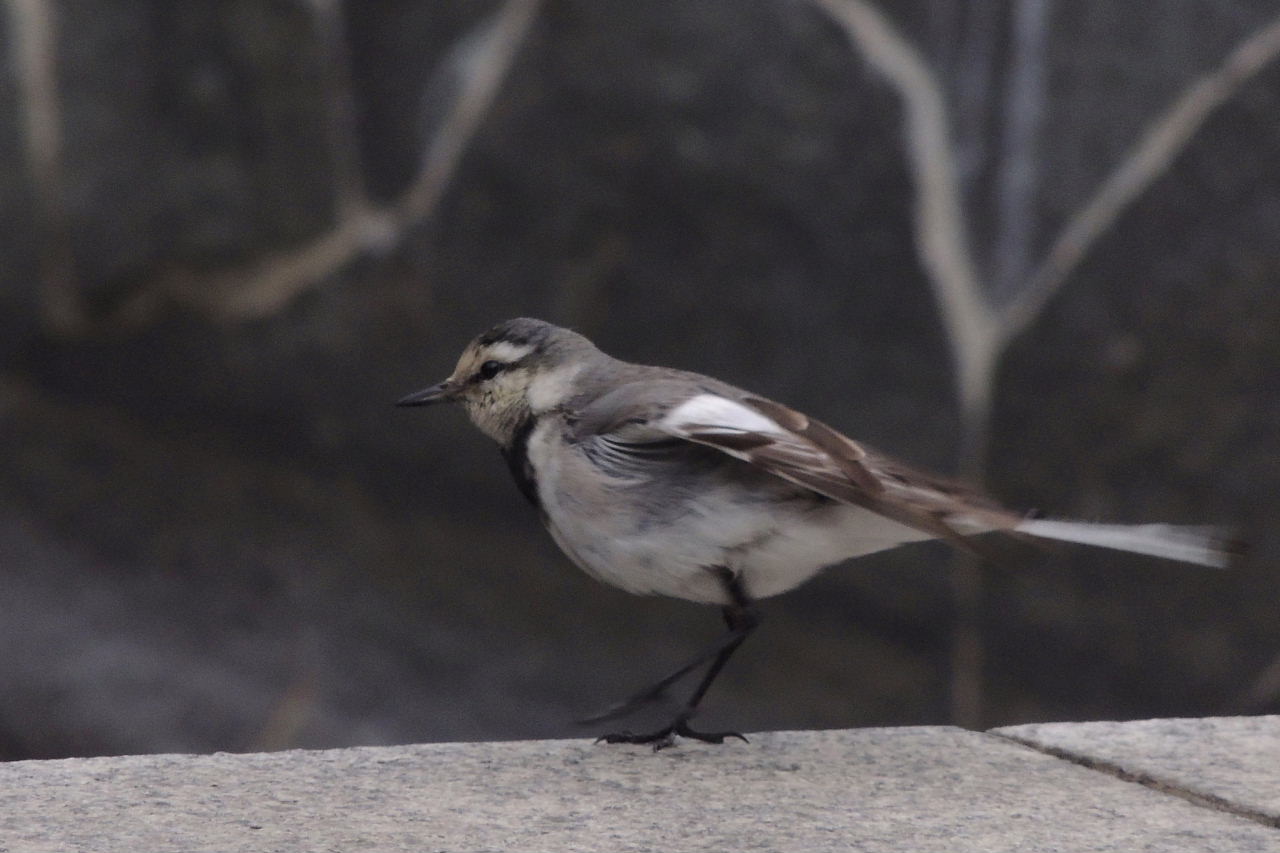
[(490, 369)]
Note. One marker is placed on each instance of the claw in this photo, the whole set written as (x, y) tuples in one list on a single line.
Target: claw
[(665, 737)]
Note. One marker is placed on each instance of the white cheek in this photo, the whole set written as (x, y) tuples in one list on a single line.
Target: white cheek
[(552, 388)]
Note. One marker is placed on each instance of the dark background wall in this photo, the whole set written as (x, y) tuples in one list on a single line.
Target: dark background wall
[(232, 232)]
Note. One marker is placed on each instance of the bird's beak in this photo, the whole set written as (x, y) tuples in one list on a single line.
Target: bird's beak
[(442, 393)]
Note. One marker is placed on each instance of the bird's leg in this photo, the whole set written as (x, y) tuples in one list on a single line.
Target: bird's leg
[(741, 617)]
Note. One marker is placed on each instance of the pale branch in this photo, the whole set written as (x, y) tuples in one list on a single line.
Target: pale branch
[(1019, 162), (340, 107), (978, 330), (271, 283), (1151, 156), (268, 284), (33, 33), (482, 66), (34, 36), (939, 219)]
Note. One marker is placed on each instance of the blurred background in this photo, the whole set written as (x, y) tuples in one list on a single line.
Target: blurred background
[(1030, 242)]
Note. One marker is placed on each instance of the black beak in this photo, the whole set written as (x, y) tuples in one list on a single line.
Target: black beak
[(441, 393)]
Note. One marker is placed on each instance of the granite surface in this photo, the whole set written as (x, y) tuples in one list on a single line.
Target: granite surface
[(918, 789)]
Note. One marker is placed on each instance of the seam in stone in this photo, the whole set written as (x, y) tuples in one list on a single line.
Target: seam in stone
[(1212, 802)]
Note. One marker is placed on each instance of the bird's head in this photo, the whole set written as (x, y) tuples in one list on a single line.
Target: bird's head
[(517, 369)]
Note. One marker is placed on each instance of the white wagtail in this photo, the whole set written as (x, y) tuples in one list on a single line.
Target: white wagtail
[(666, 482)]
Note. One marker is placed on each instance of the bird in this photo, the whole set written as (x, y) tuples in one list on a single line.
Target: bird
[(666, 482)]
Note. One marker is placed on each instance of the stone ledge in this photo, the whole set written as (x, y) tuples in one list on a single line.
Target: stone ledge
[(917, 789)]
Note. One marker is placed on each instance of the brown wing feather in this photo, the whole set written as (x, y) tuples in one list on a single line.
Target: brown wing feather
[(840, 449), (815, 456)]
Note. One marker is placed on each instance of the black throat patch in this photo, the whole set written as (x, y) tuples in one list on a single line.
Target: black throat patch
[(517, 456)]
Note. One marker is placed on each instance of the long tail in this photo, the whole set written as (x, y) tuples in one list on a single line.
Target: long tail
[(1205, 546)]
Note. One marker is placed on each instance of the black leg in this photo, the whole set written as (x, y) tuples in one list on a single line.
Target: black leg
[(741, 617)]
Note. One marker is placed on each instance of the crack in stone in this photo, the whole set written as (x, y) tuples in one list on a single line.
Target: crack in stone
[(1213, 802)]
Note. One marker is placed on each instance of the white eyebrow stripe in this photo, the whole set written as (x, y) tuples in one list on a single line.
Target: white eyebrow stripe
[(506, 351), (712, 410)]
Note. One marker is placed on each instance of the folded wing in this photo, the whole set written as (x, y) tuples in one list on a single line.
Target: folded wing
[(807, 452), (640, 419)]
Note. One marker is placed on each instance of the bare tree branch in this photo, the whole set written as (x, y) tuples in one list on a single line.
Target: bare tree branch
[(478, 66), (1020, 161), (978, 330), (344, 144), (34, 34), (266, 286), (482, 63), (939, 220), (1152, 155)]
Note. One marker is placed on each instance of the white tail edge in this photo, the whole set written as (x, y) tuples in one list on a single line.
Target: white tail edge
[(1205, 546)]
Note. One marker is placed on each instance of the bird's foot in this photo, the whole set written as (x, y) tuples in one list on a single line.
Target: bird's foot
[(659, 691), (665, 737)]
